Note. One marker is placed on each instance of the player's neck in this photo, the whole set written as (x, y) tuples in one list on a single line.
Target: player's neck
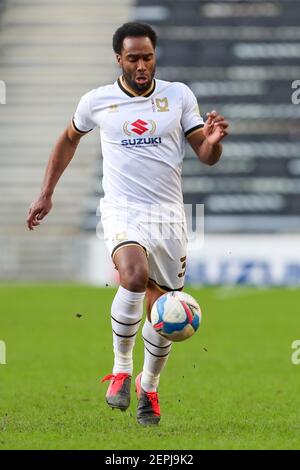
[(132, 90)]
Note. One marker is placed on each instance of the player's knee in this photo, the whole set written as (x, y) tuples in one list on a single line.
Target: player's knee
[(134, 278)]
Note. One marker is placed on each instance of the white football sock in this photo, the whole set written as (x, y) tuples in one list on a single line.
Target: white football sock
[(126, 315), (156, 354)]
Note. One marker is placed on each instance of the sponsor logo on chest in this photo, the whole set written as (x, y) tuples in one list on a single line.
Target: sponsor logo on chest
[(138, 128)]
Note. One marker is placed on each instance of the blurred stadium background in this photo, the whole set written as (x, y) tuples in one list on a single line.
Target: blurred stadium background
[(239, 57)]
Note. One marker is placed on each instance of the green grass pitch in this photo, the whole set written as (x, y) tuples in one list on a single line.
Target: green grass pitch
[(231, 386)]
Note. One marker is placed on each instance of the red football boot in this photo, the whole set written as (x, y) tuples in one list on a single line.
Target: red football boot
[(118, 392), (148, 410)]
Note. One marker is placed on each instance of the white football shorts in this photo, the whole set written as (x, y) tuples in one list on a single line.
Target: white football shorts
[(165, 243)]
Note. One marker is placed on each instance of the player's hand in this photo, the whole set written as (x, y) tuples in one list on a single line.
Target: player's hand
[(215, 128), (37, 211)]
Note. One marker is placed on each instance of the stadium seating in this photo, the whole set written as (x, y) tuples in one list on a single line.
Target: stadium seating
[(241, 59), (51, 54)]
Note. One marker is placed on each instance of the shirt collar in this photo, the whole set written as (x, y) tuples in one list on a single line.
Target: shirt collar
[(128, 91)]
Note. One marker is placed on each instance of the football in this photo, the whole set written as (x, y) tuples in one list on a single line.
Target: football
[(176, 316)]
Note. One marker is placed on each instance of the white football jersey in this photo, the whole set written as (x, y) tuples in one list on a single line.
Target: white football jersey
[(143, 140)]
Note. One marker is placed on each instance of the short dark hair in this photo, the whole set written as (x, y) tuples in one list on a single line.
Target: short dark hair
[(132, 29)]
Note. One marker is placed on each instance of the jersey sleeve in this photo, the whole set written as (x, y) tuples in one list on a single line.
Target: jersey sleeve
[(83, 120), (191, 120)]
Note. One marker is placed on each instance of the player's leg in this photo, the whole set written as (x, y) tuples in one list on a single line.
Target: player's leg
[(156, 353), (126, 314), (157, 348), (167, 270)]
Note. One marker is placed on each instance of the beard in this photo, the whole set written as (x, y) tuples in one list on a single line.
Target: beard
[(138, 87)]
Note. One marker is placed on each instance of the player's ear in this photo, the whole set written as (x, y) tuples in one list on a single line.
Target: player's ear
[(118, 57)]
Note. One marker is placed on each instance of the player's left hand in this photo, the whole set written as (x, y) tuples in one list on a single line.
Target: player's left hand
[(215, 128)]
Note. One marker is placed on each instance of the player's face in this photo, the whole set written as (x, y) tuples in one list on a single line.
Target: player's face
[(137, 60)]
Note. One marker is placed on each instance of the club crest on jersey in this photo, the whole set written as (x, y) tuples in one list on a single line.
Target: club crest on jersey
[(162, 105), (139, 127)]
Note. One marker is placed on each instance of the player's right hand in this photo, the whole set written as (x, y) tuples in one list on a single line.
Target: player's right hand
[(37, 211)]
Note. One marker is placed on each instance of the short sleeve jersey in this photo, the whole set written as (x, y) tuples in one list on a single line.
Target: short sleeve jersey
[(143, 139)]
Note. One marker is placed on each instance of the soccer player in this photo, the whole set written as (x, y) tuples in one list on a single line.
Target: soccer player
[(144, 125)]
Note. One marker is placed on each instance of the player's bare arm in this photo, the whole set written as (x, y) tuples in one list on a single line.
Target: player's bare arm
[(61, 156), (206, 143)]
